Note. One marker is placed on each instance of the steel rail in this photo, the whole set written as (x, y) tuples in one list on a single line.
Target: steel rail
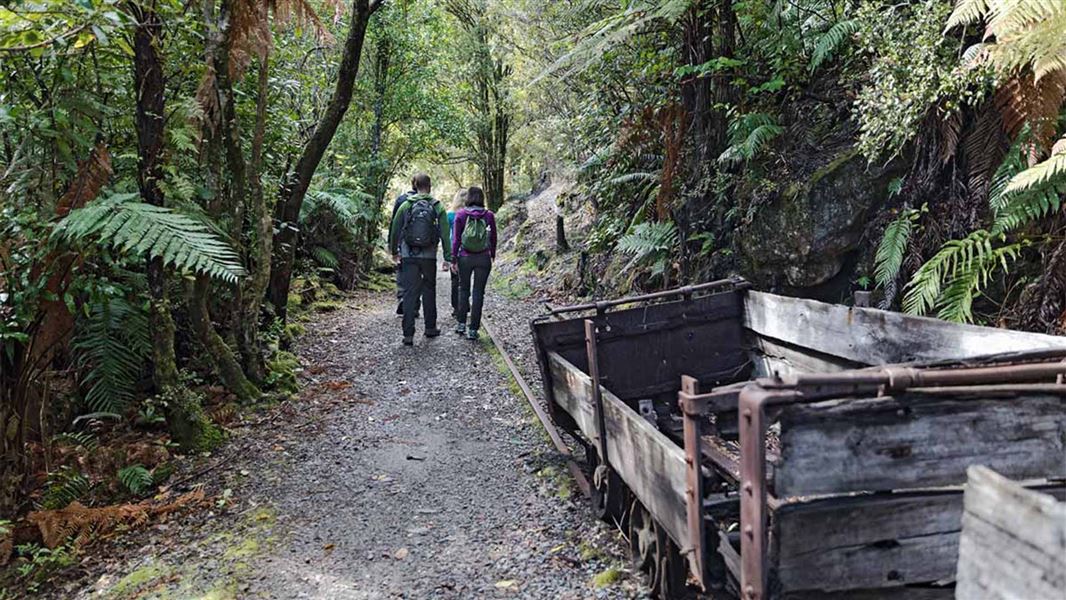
[(575, 469)]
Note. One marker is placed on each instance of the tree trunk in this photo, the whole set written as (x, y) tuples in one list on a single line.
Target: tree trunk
[(187, 424), (229, 369), (295, 184), (258, 263)]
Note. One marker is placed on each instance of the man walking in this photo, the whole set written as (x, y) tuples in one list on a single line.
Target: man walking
[(395, 207), (419, 225)]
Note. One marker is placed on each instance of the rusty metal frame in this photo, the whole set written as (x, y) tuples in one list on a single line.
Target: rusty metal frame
[(684, 292), (754, 399)]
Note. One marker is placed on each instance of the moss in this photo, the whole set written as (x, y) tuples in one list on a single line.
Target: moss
[(607, 578), (295, 300), (797, 188), (136, 583), (189, 425), (281, 372), (291, 332), (323, 306), (589, 552), (248, 548), (512, 287)]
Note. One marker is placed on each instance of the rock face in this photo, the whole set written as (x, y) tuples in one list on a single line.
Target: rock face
[(808, 219)]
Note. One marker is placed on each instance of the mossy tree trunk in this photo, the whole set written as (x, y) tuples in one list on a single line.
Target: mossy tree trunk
[(229, 368), (187, 423)]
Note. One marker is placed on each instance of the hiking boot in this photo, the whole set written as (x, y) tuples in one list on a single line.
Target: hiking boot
[(408, 340), (460, 328), (472, 335), (432, 332)]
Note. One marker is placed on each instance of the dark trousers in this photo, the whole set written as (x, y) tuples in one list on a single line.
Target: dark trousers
[(455, 294), (473, 275), (418, 278)]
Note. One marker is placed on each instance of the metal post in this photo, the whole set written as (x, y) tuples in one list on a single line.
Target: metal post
[(693, 417), (752, 493), (597, 397)]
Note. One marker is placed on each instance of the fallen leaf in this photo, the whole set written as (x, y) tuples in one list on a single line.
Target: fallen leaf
[(401, 554), (506, 584), (329, 547)]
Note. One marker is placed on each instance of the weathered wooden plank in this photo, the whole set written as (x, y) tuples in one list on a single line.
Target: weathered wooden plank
[(858, 542), (875, 337), (916, 440), (648, 462), (1013, 541), (898, 593), (773, 357)]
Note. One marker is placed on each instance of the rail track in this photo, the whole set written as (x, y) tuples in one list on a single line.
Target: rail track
[(553, 432)]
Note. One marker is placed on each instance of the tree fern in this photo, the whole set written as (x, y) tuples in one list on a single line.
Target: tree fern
[(141, 229), (830, 42), (110, 346), (893, 247), (650, 243), (137, 479), (1016, 207)]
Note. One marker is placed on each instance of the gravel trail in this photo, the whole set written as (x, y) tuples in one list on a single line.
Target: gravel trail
[(400, 472)]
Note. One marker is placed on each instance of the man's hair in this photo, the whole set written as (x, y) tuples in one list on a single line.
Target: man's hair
[(475, 196), (421, 183)]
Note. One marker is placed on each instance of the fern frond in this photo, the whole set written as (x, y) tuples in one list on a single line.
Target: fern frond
[(893, 247), (325, 258), (84, 439), (747, 135), (1039, 174), (966, 12), (153, 231), (829, 43), (64, 486), (925, 285), (956, 302), (350, 208), (111, 346), (631, 177), (137, 479), (649, 238)]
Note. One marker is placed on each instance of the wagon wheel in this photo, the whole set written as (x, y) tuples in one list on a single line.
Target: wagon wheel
[(607, 492), (643, 540), (673, 569)]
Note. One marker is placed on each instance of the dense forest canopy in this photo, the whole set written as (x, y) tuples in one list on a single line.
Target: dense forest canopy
[(177, 178)]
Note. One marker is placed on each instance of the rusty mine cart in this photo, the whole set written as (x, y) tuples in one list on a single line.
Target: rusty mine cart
[(761, 446)]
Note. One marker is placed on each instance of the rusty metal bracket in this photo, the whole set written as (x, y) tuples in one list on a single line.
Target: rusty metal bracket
[(597, 395), (753, 506), (693, 420)]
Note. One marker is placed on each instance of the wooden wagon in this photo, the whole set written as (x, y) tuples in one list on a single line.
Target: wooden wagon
[(781, 447)]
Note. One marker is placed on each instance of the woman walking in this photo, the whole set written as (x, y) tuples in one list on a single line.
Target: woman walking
[(473, 249), (458, 202)]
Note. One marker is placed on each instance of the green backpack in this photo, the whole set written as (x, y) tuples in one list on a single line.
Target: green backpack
[(476, 233)]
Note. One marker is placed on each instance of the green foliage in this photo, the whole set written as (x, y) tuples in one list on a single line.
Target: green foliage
[(831, 41), (913, 68), (111, 345), (84, 439), (137, 479), (893, 246), (64, 486), (650, 244), (281, 375), (748, 134), (121, 223), (1015, 206), (36, 563)]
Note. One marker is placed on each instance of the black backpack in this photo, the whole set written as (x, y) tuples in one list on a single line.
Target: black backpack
[(421, 228)]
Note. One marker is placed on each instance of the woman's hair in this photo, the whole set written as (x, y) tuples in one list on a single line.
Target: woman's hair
[(459, 200), (475, 196)]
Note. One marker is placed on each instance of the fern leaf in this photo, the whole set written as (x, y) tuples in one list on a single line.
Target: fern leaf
[(110, 347), (966, 12), (1039, 174), (137, 479), (155, 232), (893, 247), (64, 486), (325, 258), (830, 42), (631, 177)]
